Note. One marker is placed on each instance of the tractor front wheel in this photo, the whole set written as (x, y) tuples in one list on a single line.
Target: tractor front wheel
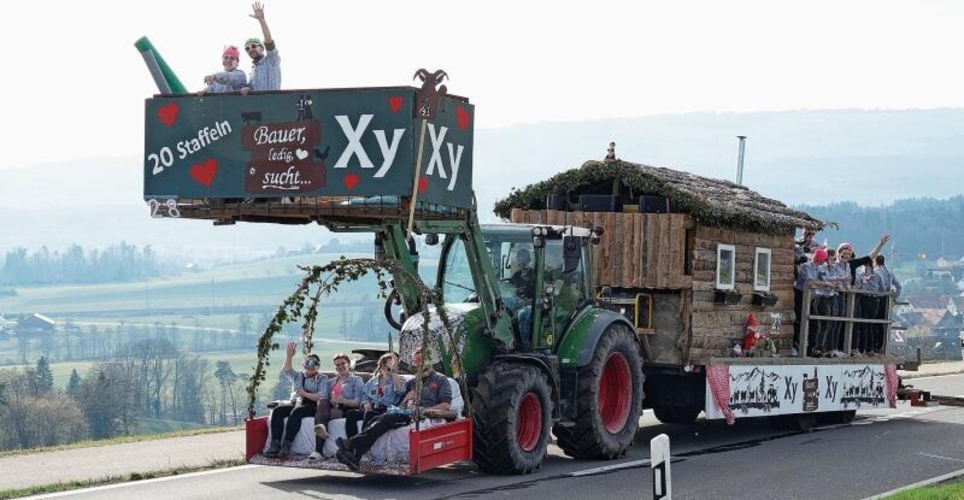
[(512, 408)]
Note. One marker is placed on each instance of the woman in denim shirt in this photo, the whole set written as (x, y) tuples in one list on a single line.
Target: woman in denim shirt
[(384, 389), (347, 390)]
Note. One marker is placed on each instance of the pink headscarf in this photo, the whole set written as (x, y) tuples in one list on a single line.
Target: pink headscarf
[(819, 256), (232, 51)]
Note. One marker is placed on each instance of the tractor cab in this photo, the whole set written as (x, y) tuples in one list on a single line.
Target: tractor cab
[(540, 272)]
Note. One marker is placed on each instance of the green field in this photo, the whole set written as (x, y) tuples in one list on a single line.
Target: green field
[(262, 283)]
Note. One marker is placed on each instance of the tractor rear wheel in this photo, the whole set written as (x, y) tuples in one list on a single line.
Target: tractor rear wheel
[(609, 399), (512, 408)]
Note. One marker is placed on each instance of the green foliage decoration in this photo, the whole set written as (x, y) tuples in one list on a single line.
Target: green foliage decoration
[(320, 281)]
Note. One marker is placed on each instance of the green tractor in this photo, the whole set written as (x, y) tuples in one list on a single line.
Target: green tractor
[(538, 354), (536, 351)]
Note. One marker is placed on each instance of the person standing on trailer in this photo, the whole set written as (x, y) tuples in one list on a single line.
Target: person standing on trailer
[(231, 79), (266, 69), (888, 284)]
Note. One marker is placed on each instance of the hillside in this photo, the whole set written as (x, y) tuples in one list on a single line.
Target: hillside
[(799, 157)]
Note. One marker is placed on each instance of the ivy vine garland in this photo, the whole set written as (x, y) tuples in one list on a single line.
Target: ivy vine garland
[(323, 280)]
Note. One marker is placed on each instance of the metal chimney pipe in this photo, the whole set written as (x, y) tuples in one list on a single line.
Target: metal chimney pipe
[(739, 161)]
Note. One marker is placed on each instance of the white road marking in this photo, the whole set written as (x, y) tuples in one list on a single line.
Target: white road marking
[(60, 494), (926, 482), (608, 468), (940, 457), (933, 376)]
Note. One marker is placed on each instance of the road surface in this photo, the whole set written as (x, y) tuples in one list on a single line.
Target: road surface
[(881, 451)]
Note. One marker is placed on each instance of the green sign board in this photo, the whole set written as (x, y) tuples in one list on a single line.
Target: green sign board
[(349, 142)]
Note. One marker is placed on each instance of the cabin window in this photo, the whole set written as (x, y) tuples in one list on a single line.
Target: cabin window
[(725, 266), (761, 270)]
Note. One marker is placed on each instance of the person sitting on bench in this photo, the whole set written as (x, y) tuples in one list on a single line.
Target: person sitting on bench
[(383, 390)]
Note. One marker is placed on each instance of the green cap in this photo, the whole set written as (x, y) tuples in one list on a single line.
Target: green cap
[(256, 41)]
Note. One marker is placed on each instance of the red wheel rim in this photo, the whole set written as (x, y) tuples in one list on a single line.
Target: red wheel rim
[(615, 393), (528, 422)]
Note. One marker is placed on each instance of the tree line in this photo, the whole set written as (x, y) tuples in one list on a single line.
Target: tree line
[(148, 378), (920, 227), (120, 262)]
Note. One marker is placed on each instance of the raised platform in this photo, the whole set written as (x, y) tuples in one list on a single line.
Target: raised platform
[(333, 465), (325, 210)]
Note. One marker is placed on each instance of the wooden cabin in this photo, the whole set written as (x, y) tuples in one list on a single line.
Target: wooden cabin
[(687, 258)]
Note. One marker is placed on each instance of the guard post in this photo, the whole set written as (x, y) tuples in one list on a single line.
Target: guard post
[(659, 460)]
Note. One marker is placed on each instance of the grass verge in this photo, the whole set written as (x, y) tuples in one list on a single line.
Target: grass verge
[(134, 476), (948, 491), (120, 440)]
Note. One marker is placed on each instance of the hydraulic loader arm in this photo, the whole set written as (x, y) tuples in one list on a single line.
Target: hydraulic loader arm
[(498, 323)]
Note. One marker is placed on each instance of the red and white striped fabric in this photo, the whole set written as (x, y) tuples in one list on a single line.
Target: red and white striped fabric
[(719, 379), (890, 374)]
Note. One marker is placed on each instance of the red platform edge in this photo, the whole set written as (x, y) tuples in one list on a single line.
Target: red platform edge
[(256, 433), (439, 445)]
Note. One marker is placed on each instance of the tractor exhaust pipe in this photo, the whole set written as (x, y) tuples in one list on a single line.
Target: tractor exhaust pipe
[(739, 160)]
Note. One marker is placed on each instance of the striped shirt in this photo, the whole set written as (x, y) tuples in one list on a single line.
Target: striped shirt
[(826, 274), (385, 394), (888, 282), (266, 72), (318, 384), (353, 387), (227, 81)]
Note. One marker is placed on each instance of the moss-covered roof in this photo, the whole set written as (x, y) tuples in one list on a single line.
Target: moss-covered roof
[(710, 202)]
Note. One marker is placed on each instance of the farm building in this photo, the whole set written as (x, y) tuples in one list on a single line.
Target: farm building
[(687, 258), (36, 324)]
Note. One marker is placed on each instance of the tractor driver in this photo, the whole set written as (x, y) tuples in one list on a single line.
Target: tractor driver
[(524, 278)]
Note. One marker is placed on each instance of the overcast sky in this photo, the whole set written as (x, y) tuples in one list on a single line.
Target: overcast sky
[(73, 84)]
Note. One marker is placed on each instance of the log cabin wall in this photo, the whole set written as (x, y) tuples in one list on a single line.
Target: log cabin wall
[(637, 250), (714, 325)]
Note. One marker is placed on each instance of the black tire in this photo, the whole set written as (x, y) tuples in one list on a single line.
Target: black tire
[(512, 408), (797, 422), (837, 417), (589, 437), (680, 415)]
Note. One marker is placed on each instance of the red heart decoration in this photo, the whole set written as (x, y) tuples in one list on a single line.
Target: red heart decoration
[(204, 172), (422, 184), (351, 180), (395, 103), (462, 117), (168, 113)]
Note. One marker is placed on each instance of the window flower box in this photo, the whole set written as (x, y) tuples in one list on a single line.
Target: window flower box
[(727, 297), (764, 299)]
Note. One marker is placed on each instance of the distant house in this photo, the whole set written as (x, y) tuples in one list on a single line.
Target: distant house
[(930, 310), (949, 327), (37, 324)]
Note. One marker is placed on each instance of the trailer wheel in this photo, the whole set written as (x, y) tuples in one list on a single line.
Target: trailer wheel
[(796, 422), (837, 417), (609, 399), (512, 407), (682, 415)]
